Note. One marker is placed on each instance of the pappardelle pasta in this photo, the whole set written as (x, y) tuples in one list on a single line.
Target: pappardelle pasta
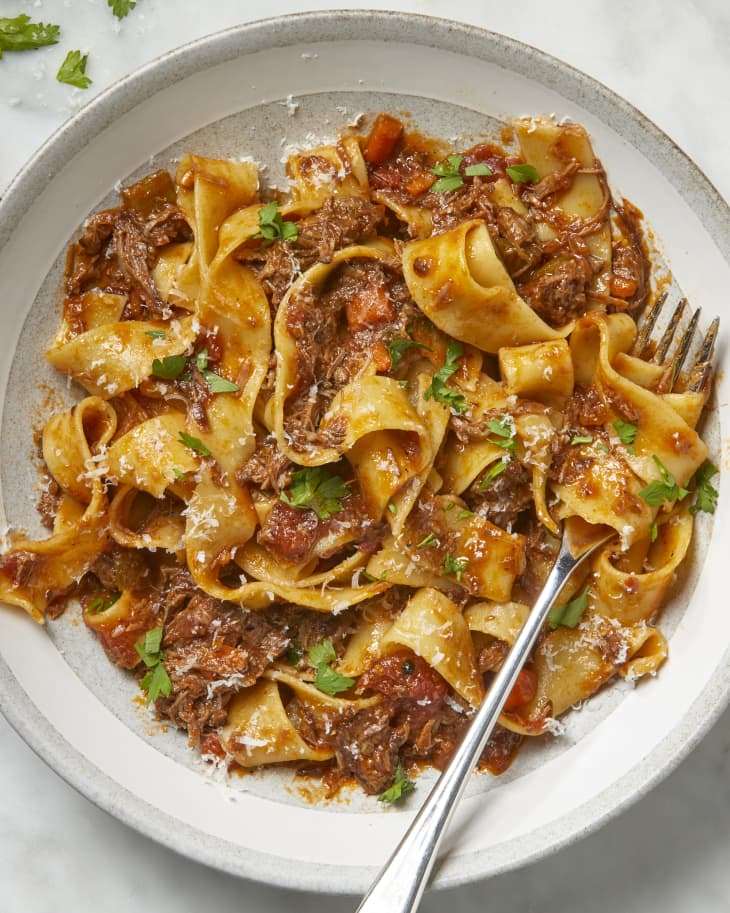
[(328, 437)]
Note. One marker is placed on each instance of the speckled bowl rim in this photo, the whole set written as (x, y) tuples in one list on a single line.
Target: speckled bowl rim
[(342, 25)]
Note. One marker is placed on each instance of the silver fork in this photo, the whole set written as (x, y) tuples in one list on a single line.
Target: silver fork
[(401, 882)]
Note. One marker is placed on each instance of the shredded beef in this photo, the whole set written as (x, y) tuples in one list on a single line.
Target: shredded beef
[(505, 497), (367, 746), (267, 468), (291, 533), (557, 292)]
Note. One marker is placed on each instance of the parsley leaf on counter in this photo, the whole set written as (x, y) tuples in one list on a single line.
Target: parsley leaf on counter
[(662, 489), (121, 8), (706, 493), (193, 443), (320, 657), (568, 615), (400, 786), (520, 174), (73, 70), (438, 389), (316, 489), (272, 227), (21, 34)]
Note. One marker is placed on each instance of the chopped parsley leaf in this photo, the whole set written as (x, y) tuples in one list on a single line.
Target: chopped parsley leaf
[(21, 34), (581, 439), (316, 489), (396, 348), (156, 681), (194, 443), (520, 174), (219, 384), (626, 432), (320, 657), (504, 432), (448, 173), (272, 227), (183, 476), (121, 8), (169, 368), (497, 469), (707, 494), (463, 514), (155, 334), (392, 508), (455, 566), (599, 445), (294, 652), (478, 169), (450, 506), (568, 615), (400, 786), (663, 489), (430, 539), (101, 605), (438, 389), (653, 532), (73, 70)]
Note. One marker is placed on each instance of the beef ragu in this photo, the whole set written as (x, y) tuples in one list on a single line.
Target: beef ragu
[(316, 482)]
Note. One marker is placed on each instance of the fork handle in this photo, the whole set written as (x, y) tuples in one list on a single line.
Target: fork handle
[(402, 880)]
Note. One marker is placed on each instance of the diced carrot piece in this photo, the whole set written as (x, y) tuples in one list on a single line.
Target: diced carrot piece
[(525, 689), (622, 287), (383, 137)]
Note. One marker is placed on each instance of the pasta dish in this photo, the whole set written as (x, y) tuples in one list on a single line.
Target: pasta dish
[(327, 439)]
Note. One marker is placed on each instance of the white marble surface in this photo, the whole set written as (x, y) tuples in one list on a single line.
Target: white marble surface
[(669, 852)]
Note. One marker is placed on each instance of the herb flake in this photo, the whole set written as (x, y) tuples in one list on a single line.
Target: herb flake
[(707, 494), (22, 34), (521, 174), (194, 443), (121, 8), (73, 70), (438, 389), (494, 471), (396, 348), (272, 227), (455, 566), (316, 489), (320, 658), (169, 368), (399, 788), (662, 489), (568, 615)]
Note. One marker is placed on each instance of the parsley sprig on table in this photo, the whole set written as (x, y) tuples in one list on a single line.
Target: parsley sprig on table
[(73, 70), (121, 8), (22, 34), (316, 489)]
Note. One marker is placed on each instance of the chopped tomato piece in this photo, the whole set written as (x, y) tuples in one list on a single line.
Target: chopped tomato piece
[(383, 137), (525, 689)]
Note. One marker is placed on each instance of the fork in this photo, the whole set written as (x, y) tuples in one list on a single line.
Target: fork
[(399, 886)]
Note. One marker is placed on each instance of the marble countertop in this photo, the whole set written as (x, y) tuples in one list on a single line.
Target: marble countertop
[(668, 852)]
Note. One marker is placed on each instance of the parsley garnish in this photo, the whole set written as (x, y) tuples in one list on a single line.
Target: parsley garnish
[(121, 8), (183, 476), (654, 531), (294, 653), (400, 786), (327, 680), (568, 615), (156, 681), (396, 348), (599, 445), (438, 389), (707, 494), (455, 566), (663, 489), (20, 34), (316, 489), (430, 539), (463, 514), (169, 368), (581, 439), (219, 384), (504, 432), (449, 176), (272, 227), (155, 334), (448, 173), (496, 470), (626, 432), (101, 605), (73, 70), (520, 174), (193, 443), (450, 506), (392, 508)]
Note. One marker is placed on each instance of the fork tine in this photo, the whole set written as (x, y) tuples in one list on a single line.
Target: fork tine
[(699, 375), (666, 340), (683, 348), (648, 325)]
